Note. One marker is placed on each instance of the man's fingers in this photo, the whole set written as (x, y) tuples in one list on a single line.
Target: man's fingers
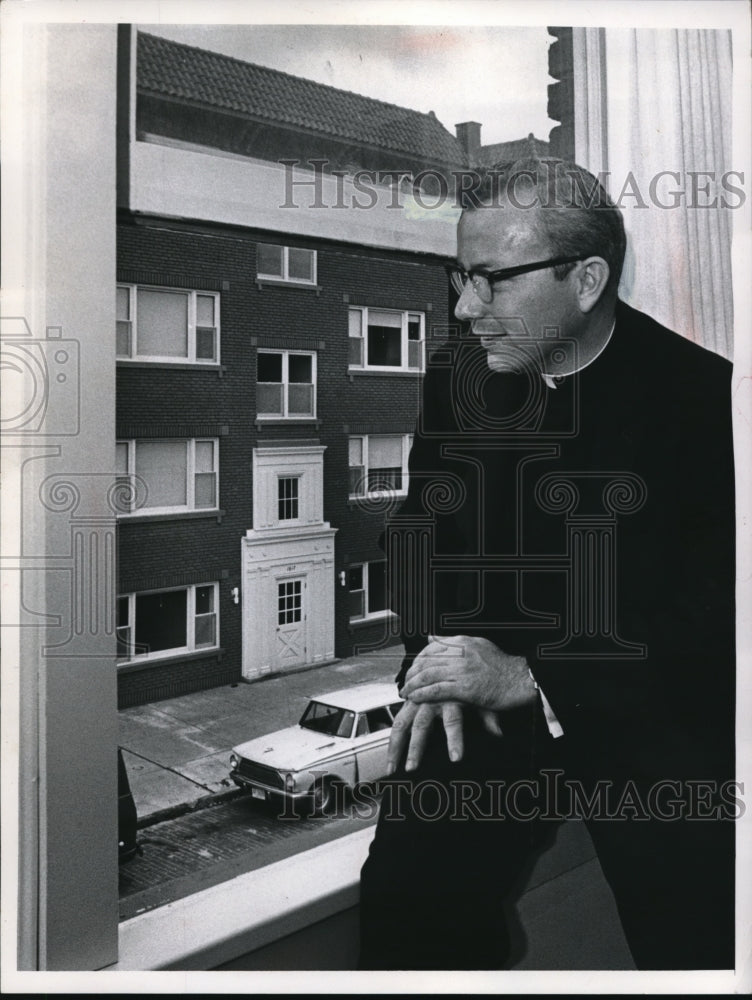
[(400, 735), (422, 723), (451, 714), (435, 672), (412, 727), (432, 693), (491, 722)]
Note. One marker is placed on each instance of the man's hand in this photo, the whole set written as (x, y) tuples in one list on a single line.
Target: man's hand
[(412, 726), (469, 670)]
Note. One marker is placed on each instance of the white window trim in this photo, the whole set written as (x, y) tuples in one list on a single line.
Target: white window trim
[(216, 925), (369, 615), (190, 614), (404, 349), (407, 440), (191, 358), (190, 505), (286, 415), (285, 276)]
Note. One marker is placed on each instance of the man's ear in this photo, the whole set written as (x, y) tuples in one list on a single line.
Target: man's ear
[(592, 278)]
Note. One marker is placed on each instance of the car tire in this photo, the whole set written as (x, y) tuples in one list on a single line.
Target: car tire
[(323, 796)]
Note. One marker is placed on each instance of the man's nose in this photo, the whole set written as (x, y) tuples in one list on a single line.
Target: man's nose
[(469, 305)]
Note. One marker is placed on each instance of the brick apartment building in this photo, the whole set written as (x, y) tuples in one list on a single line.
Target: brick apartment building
[(269, 362)]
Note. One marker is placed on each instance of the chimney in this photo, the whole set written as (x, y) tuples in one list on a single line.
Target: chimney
[(468, 136)]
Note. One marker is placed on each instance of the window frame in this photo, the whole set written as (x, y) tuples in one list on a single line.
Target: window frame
[(405, 341), (285, 383), (285, 276), (189, 507), (366, 578), (190, 622), (191, 357), (406, 444)]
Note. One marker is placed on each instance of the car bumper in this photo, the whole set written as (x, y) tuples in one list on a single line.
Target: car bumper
[(270, 791)]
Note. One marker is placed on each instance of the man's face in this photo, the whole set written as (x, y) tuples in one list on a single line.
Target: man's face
[(529, 314)]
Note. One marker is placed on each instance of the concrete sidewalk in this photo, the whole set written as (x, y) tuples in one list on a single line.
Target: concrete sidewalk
[(177, 751)]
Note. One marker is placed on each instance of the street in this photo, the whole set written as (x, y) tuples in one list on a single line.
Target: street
[(202, 848)]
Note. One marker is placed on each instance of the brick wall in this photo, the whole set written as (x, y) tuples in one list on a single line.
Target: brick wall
[(158, 401)]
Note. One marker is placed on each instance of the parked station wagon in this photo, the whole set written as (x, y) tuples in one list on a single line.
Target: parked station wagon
[(342, 736)]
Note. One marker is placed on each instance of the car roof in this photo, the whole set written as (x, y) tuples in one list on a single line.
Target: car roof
[(361, 697)]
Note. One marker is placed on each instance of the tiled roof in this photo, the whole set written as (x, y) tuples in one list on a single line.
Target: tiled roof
[(175, 70), (516, 149)]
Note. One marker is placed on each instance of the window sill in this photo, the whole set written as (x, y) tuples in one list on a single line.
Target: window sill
[(285, 421), (376, 498), (201, 366), (411, 372), (262, 283), (131, 666), (187, 515), (356, 624), (246, 913)]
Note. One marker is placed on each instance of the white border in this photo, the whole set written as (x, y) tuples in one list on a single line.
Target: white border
[(668, 13)]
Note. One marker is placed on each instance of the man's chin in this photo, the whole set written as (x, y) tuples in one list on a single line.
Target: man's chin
[(497, 364), (511, 361)]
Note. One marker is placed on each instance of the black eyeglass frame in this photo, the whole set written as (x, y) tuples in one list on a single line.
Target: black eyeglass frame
[(460, 276)]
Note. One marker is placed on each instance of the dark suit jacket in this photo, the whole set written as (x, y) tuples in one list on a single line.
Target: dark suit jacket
[(605, 503)]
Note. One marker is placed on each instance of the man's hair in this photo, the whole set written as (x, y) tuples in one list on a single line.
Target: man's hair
[(570, 208)]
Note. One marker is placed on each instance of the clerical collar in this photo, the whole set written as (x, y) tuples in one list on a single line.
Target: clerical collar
[(552, 381)]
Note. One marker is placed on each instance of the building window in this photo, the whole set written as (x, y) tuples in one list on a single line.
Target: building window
[(169, 476), (386, 340), (167, 622), (288, 497), (367, 587), (378, 462), (289, 602), (286, 384), (167, 324), (292, 264)]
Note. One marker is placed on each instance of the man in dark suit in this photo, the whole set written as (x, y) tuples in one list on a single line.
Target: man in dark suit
[(564, 570)]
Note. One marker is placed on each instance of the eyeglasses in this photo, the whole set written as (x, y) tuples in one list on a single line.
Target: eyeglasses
[(482, 280)]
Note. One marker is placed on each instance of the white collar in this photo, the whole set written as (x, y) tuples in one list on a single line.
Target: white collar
[(551, 380)]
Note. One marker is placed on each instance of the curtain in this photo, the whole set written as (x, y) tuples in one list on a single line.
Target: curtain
[(655, 116)]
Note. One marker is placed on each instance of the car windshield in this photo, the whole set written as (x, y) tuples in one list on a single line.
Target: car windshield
[(327, 719)]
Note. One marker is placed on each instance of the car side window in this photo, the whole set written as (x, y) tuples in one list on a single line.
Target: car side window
[(346, 725), (362, 729), (378, 718)]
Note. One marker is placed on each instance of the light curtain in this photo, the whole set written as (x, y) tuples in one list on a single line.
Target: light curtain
[(650, 101)]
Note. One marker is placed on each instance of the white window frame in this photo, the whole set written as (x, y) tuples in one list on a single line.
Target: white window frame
[(135, 494), (285, 276), (406, 444), (404, 366), (368, 615), (285, 383), (190, 614), (132, 322)]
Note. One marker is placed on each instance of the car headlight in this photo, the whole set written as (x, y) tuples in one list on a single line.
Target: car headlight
[(289, 782), (233, 761)]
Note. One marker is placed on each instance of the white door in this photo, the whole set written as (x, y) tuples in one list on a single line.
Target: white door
[(291, 622)]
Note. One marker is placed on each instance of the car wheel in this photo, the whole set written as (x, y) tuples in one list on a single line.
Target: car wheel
[(323, 795)]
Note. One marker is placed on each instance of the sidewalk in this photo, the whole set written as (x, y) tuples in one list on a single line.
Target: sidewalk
[(177, 751)]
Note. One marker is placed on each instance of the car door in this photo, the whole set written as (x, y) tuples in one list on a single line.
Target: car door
[(371, 743)]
